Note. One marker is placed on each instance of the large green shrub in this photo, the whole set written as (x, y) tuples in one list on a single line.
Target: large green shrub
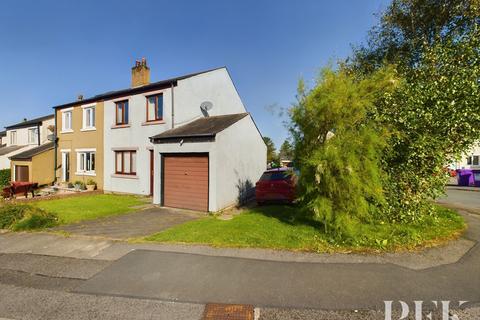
[(434, 115), (338, 148), (5, 175), (25, 217)]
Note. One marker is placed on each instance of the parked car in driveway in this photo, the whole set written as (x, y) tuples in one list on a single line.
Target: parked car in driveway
[(276, 185)]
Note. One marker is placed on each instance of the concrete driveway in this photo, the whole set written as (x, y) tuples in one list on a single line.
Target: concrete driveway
[(136, 224)]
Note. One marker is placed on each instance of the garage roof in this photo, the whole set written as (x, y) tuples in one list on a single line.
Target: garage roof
[(28, 154), (204, 127), (7, 150)]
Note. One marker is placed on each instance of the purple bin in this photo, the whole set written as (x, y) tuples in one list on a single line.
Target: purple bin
[(476, 178), (465, 177)]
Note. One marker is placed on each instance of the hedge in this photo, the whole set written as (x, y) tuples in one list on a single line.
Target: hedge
[(5, 177)]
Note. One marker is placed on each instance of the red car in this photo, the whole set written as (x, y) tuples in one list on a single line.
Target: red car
[(276, 185)]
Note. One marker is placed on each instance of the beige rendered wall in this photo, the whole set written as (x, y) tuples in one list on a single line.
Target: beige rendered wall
[(79, 139), (42, 167)]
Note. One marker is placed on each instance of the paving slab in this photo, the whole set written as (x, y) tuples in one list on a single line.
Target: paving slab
[(137, 224), (51, 266)]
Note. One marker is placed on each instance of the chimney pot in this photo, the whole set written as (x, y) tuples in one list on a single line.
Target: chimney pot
[(80, 97), (140, 73)]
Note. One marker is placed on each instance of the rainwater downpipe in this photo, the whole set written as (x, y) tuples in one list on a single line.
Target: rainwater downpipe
[(173, 108), (38, 134), (55, 147)]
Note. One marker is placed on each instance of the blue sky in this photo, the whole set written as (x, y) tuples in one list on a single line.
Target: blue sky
[(51, 51)]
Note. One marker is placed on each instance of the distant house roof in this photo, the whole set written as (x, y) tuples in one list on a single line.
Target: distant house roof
[(7, 150), (28, 154), (30, 123), (149, 87), (3, 133), (201, 128)]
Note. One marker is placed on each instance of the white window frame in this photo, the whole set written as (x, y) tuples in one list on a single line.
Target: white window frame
[(35, 135), (80, 161), (66, 129), (88, 114), (13, 137)]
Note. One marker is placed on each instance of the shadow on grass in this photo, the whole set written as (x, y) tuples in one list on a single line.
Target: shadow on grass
[(288, 214)]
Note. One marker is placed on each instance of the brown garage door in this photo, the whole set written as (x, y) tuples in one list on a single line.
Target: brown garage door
[(185, 182), (21, 173)]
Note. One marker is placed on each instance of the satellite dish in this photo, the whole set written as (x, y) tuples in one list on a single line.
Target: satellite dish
[(206, 106)]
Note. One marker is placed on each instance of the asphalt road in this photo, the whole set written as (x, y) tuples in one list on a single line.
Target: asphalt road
[(469, 200)]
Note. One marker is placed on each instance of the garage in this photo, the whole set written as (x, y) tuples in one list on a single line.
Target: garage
[(21, 173), (185, 181), (208, 164)]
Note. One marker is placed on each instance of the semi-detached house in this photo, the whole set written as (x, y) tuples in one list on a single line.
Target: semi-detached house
[(28, 150), (187, 141)]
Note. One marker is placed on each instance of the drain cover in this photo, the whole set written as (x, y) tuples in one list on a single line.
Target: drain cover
[(215, 311)]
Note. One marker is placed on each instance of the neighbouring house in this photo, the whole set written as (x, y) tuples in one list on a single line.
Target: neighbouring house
[(34, 165), (471, 159), (285, 163), (25, 135), (80, 149), (187, 141), (3, 138)]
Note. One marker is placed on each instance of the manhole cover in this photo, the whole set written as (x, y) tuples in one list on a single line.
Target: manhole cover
[(215, 311)]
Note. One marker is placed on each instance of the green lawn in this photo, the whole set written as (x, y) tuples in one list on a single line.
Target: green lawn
[(281, 227), (74, 209)]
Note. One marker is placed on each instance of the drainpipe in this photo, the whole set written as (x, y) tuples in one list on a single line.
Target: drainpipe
[(38, 134), (173, 109), (55, 147)]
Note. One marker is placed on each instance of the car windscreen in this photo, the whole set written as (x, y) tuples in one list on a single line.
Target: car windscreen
[(273, 176)]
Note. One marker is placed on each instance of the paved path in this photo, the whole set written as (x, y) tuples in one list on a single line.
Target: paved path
[(137, 224)]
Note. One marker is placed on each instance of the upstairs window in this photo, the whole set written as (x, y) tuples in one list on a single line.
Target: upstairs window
[(121, 112), (155, 107), (89, 118), (67, 121), (126, 162), (33, 135), (13, 137)]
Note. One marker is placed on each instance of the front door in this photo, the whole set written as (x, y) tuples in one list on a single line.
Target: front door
[(151, 172), (66, 166)]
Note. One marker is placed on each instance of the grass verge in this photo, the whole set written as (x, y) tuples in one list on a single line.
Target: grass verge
[(75, 209), (282, 227)]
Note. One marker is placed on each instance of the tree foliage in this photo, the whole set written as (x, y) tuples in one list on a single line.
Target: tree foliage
[(400, 109), (272, 156), (286, 151), (407, 27), (435, 117), (340, 174)]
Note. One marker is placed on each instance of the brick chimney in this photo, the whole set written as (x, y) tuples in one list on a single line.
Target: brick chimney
[(140, 73)]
